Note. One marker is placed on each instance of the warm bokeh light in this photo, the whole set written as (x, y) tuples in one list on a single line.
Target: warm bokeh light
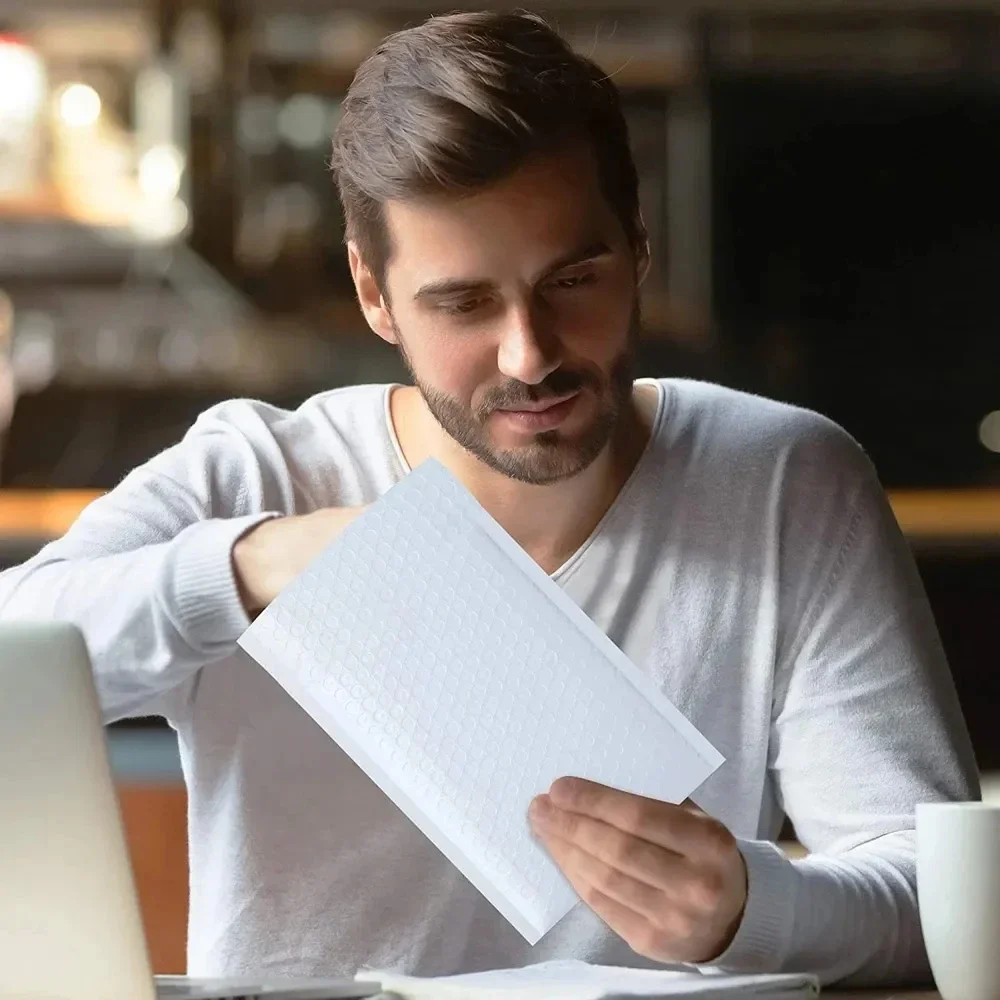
[(22, 80), (161, 221), (161, 171), (79, 105)]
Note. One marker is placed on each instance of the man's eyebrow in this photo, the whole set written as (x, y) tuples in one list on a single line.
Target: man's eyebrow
[(451, 286), (460, 286), (588, 253)]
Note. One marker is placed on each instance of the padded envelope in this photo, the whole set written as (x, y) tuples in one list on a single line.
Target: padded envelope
[(463, 681)]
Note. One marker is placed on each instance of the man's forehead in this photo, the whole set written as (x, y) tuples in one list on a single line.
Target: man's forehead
[(433, 242)]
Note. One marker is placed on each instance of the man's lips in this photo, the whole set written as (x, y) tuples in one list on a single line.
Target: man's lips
[(539, 406), (537, 417)]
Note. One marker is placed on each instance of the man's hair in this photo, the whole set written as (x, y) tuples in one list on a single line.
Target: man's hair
[(458, 103)]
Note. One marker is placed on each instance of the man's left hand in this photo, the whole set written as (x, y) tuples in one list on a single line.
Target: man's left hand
[(668, 879)]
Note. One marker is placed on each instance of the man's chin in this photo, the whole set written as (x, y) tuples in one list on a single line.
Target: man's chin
[(540, 462), (532, 457)]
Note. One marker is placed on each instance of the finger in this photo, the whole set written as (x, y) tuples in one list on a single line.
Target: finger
[(590, 873), (642, 936), (635, 929), (648, 862), (671, 826)]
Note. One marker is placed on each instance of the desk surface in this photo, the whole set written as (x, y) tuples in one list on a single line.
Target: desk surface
[(883, 994)]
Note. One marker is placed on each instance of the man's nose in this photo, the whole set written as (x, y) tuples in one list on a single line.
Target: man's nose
[(529, 349)]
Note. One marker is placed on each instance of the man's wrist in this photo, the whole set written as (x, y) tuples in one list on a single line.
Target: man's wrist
[(734, 925), (201, 585), (761, 939)]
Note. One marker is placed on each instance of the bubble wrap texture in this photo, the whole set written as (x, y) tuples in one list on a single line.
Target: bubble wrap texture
[(463, 681)]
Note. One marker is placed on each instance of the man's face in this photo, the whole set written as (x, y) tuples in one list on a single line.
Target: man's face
[(516, 311)]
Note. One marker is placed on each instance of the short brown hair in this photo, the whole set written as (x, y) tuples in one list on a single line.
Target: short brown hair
[(459, 102)]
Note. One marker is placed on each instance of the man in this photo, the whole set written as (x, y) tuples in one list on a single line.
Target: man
[(738, 550)]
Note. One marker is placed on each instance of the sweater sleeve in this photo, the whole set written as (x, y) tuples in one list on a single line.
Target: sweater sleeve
[(866, 724), (146, 570)]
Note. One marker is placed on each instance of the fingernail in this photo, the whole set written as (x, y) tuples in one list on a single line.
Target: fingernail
[(562, 790)]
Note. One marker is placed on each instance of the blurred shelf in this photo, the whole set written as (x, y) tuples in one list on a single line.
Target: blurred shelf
[(631, 67), (53, 245), (926, 516)]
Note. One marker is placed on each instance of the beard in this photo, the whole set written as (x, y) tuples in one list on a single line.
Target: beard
[(551, 455)]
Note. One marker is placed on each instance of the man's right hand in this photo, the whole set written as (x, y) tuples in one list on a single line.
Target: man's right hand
[(268, 557)]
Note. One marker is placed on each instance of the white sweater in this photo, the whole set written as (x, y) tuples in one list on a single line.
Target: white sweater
[(751, 566)]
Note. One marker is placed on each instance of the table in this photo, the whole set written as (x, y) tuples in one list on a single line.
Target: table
[(883, 994)]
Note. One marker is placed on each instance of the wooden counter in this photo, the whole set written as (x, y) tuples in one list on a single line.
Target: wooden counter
[(969, 516), (40, 514), (941, 515), (155, 820)]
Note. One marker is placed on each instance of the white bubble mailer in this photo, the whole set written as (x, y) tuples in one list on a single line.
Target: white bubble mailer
[(463, 681)]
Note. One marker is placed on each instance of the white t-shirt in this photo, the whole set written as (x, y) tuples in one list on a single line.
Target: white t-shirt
[(751, 566)]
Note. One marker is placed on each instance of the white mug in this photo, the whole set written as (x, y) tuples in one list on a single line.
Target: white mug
[(958, 886)]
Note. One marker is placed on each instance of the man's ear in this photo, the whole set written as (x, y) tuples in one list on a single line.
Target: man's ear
[(372, 302)]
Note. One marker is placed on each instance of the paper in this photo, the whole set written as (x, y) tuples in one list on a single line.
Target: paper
[(463, 681), (573, 980)]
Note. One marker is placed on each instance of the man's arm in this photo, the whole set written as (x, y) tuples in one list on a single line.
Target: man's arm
[(866, 723), (148, 571)]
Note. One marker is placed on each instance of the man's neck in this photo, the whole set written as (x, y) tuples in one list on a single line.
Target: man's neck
[(549, 522)]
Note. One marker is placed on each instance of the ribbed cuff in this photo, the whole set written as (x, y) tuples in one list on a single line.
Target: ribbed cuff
[(762, 941), (201, 587)]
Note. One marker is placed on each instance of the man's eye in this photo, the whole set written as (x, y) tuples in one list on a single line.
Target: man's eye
[(462, 308), (574, 280)]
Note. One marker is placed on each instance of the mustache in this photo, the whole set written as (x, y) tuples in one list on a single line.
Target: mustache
[(561, 382)]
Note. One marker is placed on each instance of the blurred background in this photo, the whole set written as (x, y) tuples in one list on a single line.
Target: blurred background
[(819, 179)]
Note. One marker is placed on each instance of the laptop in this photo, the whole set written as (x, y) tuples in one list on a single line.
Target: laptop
[(70, 924)]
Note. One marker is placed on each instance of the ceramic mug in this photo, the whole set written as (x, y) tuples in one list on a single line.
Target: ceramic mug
[(958, 885)]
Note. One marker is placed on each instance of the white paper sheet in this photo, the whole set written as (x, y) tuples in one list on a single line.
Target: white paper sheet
[(572, 980), (463, 681)]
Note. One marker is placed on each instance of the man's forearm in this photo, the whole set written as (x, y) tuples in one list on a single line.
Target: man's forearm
[(850, 918)]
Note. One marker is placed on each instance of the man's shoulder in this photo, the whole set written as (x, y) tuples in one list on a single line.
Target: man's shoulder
[(713, 407), (334, 447), (740, 432), (345, 406)]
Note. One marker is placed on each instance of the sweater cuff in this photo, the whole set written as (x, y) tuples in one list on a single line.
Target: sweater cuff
[(762, 940), (201, 589)]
